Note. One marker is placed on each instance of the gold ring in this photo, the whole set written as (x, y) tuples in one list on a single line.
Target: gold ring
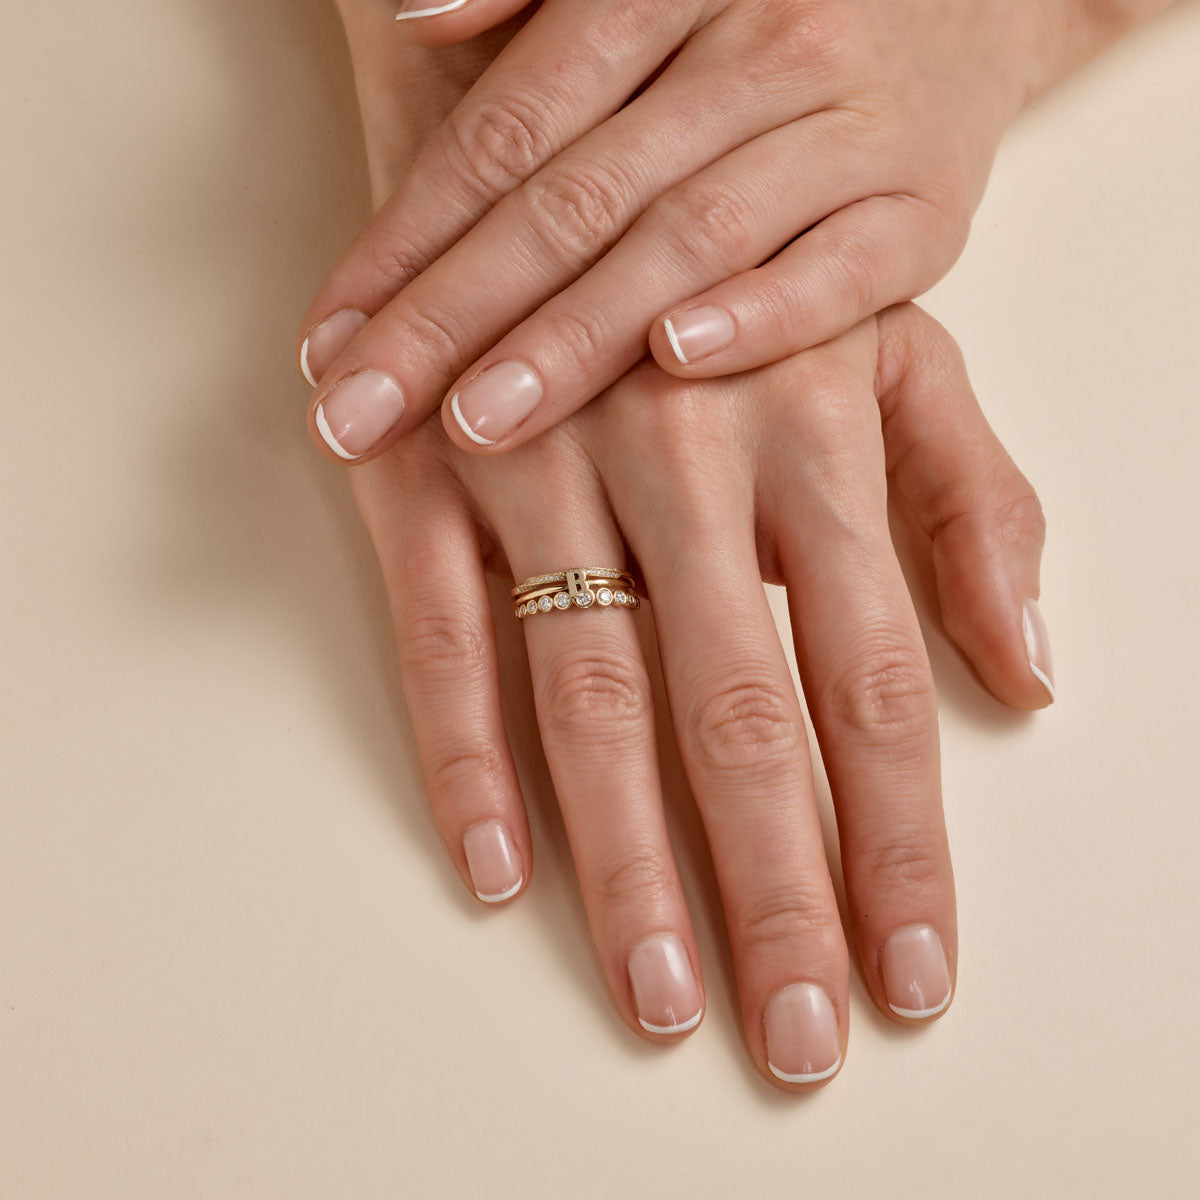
[(576, 587)]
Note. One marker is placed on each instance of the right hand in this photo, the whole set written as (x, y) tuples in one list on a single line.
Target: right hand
[(784, 169)]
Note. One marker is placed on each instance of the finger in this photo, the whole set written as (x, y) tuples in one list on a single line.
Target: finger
[(435, 580), (868, 682), (398, 367), (741, 735), (981, 512), (447, 22), (595, 712), (515, 119), (725, 218), (876, 252)]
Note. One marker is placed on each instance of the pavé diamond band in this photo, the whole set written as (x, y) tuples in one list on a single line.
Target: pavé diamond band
[(577, 587)]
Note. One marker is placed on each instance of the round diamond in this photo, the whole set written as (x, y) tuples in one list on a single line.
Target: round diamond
[(562, 600), (620, 597), (545, 604), (585, 600), (604, 596)]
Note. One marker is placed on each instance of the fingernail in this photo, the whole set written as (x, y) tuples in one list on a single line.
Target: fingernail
[(699, 332), (492, 859), (409, 9), (916, 977), (801, 1032), (665, 992), (327, 341), (358, 412), (496, 402), (1037, 645)]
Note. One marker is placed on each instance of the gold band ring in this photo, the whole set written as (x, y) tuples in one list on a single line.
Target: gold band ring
[(577, 587)]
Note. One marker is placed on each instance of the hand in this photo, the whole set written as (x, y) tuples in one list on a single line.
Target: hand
[(707, 511), (549, 224)]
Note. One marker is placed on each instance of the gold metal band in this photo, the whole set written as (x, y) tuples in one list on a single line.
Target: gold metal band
[(592, 574), (576, 587)]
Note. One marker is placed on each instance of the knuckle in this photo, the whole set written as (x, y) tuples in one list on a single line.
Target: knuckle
[(903, 858), (797, 912), (800, 35), (444, 646), (744, 724), (596, 699), (856, 269), (498, 145), (458, 768), (640, 874), (577, 213), (705, 224), (886, 696), (579, 334), (394, 258), (1021, 518), (438, 331)]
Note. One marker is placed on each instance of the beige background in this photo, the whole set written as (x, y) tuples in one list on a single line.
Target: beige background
[(233, 960)]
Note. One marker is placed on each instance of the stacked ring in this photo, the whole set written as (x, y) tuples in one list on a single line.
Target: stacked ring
[(577, 587)]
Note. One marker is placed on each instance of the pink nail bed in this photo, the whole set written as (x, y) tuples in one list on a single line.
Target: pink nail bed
[(492, 859), (495, 402), (801, 1034), (916, 976), (665, 992), (698, 332), (358, 412), (1037, 645)]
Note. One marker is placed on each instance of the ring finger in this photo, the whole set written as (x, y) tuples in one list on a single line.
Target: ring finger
[(595, 712)]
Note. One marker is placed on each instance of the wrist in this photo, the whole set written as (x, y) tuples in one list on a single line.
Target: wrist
[(1056, 37)]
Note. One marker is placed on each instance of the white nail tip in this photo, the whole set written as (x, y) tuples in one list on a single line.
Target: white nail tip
[(919, 1014), (682, 1027), (673, 338), (327, 434), (304, 367), (815, 1077), (512, 891), (1044, 679), (462, 424), (436, 11)]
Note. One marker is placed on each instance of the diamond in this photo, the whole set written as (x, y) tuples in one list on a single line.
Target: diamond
[(585, 600), (545, 604), (562, 600), (620, 597), (604, 596)]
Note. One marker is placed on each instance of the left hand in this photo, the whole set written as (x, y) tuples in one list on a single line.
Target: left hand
[(549, 223)]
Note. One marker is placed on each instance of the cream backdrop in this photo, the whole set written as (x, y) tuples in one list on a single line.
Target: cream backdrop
[(234, 961)]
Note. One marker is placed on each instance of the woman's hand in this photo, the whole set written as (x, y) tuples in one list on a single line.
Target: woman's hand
[(711, 486), (777, 475), (786, 169)]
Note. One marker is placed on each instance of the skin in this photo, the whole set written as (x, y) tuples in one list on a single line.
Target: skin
[(711, 486), (798, 164)]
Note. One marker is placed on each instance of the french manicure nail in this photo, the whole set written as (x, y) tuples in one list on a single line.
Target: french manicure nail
[(496, 402), (916, 976), (325, 342), (410, 9), (801, 1033), (1037, 645), (492, 859), (699, 332), (665, 992), (358, 412)]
